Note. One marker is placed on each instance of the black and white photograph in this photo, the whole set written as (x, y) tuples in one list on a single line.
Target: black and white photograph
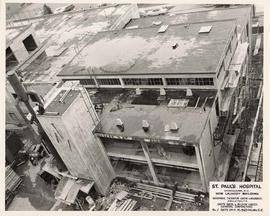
[(132, 107)]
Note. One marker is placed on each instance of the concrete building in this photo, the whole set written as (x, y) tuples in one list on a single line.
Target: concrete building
[(69, 121), (21, 42), (198, 64), (167, 92)]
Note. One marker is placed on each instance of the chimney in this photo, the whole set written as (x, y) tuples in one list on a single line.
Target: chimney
[(145, 125), (120, 124)]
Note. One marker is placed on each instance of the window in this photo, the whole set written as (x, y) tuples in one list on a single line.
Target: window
[(143, 81), (11, 60), (190, 81), (87, 82), (108, 81), (247, 29), (30, 43)]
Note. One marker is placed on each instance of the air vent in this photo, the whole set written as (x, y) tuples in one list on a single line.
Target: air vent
[(120, 124), (156, 23), (174, 127), (162, 92), (163, 28), (138, 91), (145, 125), (205, 29), (189, 93)]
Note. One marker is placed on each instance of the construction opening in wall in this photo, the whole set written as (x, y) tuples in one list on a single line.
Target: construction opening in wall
[(11, 60), (30, 43)]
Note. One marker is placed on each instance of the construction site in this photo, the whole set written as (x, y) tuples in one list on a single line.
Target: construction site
[(131, 107)]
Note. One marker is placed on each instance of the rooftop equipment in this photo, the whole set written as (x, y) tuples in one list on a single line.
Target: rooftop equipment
[(163, 28), (138, 91), (145, 125), (120, 124), (189, 93), (205, 29), (174, 127)]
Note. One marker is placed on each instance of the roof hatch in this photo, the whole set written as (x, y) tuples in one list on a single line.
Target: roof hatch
[(205, 29)]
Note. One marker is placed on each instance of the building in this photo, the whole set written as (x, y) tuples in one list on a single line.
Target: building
[(168, 93), (68, 122), (21, 42), (197, 66)]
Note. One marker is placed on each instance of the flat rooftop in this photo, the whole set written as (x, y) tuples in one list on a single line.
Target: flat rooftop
[(145, 51), (132, 109), (56, 106), (240, 13), (68, 33)]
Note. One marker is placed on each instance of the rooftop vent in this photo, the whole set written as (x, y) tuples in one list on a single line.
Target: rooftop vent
[(145, 125), (138, 91), (174, 127), (162, 92), (156, 23), (189, 93), (205, 29), (167, 128), (120, 124), (163, 28), (175, 45)]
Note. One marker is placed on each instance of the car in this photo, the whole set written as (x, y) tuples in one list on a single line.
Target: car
[(65, 8)]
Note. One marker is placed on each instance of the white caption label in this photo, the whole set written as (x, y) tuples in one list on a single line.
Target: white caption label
[(236, 196)]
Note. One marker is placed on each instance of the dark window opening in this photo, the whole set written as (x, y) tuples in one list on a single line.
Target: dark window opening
[(30, 43), (11, 60), (190, 81), (143, 81), (87, 82), (217, 108), (108, 81)]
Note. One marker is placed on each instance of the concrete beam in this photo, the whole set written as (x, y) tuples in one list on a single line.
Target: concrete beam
[(150, 164)]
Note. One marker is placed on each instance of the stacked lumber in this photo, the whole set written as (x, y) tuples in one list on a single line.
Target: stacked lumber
[(12, 180), (165, 194), (184, 196), (127, 205)]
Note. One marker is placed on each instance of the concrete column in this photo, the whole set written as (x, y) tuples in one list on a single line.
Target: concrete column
[(150, 164), (201, 170)]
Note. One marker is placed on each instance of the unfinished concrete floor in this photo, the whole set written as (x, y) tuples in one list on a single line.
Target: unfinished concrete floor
[(34, 194)]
